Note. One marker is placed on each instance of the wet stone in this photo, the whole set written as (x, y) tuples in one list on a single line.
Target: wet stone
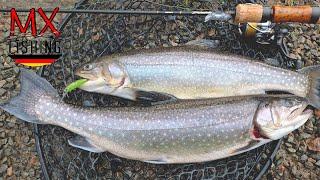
[(26, 139), (302, 40), (12, 133), (309, 165), (305, 135), (2, 91), (288, 144), (2, 82), (8, 85), (311, 160), (1, 153), (3, 168), (8, 73), (315, 156), (303, 158), (11, 125), (291, 150), (2, 135), (290, 139)]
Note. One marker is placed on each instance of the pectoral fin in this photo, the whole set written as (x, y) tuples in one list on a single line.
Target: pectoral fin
[(155, 97), (251, 145), (140, 95), (85, 144), (204, 43), (157, 161)]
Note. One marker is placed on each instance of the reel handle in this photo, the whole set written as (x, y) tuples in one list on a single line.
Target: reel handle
[(277, 14)]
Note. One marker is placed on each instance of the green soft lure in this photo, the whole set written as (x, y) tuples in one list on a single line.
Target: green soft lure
[(73, 86)]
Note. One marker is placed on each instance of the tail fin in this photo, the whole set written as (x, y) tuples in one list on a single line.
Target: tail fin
[(33, 87), (313, 95)]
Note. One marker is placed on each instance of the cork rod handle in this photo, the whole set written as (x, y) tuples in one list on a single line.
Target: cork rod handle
[(258, 13)]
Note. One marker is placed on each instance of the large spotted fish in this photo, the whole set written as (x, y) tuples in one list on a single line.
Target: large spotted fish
[(180, 132), (193, 73)]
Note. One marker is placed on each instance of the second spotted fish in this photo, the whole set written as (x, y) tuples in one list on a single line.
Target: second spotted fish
[(191, 73)]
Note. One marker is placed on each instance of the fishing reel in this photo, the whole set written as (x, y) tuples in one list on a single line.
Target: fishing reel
[(266, 33), (262, 33)]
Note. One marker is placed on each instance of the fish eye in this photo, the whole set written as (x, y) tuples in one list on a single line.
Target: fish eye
[(266, 105), (87, 67)]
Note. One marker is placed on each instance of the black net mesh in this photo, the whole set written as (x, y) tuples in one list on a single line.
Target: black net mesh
[(88, 36)]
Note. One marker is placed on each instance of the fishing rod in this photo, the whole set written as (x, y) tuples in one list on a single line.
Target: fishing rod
[(255, 22), (243, 13)]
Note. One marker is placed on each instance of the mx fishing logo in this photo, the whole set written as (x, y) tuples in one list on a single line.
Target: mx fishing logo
[(35, 48)]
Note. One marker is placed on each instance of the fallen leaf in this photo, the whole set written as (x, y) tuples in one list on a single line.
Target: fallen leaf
[(314, 144), (80, 31), (282, 168), (317, 113), (201, 36), (96, 37), (33, 161), (10, 171), (173, 43), (211, 32)]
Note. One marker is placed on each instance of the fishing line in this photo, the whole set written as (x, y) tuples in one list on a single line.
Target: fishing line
[(109, 11)]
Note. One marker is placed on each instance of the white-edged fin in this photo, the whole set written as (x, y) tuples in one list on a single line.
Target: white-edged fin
[(85, 144), (251, 145), (157, 161), (155, 97), (203, 43)]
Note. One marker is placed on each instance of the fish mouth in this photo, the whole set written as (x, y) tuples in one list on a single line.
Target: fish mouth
[(96, 80), (297, 111), (85, 75)]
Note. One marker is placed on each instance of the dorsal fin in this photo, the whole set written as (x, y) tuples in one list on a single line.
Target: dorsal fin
[(85, 144)]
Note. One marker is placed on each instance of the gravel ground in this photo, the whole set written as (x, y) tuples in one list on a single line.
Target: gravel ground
[(296, 159)]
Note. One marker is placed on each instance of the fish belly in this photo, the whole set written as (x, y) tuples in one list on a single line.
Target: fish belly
[(196, 144)]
